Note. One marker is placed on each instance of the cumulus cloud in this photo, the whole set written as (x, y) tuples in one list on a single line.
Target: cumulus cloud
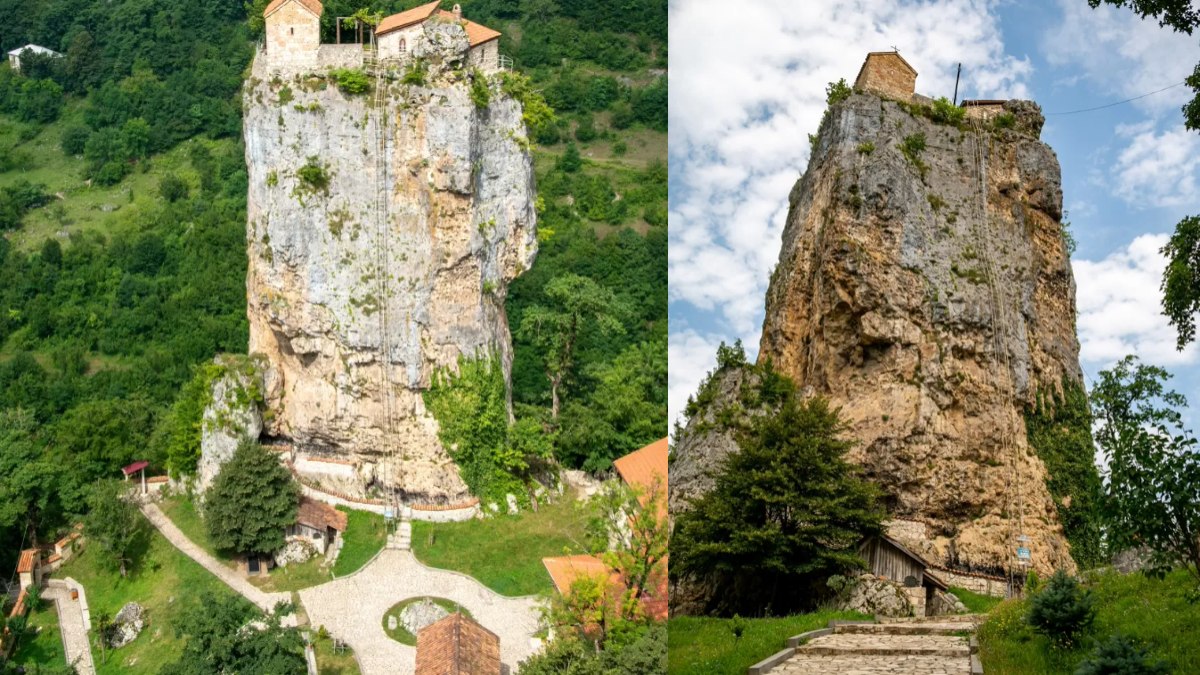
[(1119, 306), (1157, 168), (1117, 52), (747, 87)]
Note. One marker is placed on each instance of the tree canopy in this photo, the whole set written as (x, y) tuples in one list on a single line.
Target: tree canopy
[(251, 502), (786, 511)]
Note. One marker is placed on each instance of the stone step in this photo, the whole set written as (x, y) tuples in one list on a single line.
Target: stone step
[(956, 628), (944, 618), (888, 645), (810, 664)]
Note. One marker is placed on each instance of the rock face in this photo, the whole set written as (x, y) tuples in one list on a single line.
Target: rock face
[(877, 596), (126, 625), (930, 296), (231, 417), (420, 614), (383, 230)]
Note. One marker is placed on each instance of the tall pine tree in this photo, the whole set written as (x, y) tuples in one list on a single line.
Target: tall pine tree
[(251, 502)]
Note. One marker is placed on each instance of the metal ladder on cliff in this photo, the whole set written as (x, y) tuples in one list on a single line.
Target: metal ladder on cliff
[(383, 273), (997, 310)]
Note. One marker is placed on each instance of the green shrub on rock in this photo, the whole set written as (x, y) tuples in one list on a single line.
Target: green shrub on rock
[(349, 80)]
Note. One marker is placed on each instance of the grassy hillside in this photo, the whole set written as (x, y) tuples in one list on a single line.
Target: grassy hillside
[(1161, 615)]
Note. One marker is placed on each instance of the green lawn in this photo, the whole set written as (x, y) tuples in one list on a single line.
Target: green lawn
[(706, 646), (505, 552), (400, 633), (160, 579), (365, 535), (1155, 613), (181, 509), (295, 576), (330, 662), (43, 647), (977, 603)]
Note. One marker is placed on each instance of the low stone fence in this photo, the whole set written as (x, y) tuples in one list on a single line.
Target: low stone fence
[(340, 56), (984, 584), (450, 513)]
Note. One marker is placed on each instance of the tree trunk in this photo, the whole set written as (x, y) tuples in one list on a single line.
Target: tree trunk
[(554, 382)]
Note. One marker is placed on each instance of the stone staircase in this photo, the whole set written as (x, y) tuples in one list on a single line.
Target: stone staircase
[(401, 539), (929, 646)]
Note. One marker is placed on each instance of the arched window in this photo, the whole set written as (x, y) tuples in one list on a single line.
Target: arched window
[(402, 45)]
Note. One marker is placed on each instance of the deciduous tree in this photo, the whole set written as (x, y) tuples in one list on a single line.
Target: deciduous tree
[(113, 522), (1153, 496)]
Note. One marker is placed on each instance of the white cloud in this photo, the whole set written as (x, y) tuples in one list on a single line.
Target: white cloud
[(691, 356), (1119, 53), (747, 87), (1157, 169), (1119, 306)]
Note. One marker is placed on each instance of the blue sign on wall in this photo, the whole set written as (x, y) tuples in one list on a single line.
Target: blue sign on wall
[(1023, 553)]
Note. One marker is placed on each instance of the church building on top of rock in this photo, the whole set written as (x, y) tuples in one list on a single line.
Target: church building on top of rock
[(887, 74), (293, 38)]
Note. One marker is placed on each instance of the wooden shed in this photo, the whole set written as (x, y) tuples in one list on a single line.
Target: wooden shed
[(887, 558)]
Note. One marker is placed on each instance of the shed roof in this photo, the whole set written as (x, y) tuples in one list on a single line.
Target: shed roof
[(407, 18), (457, 645), (135, 467), (477, 34), (320, 515), (915, 558), (25, 562), (313, 6)]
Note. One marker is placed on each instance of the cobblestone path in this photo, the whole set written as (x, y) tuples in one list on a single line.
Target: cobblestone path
[(352, 608), (919, 646), (70, 622)]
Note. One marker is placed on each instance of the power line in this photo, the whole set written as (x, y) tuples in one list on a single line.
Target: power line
[(1109, 105)]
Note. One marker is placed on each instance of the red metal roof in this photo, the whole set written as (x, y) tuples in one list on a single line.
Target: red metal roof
[(135, 467)]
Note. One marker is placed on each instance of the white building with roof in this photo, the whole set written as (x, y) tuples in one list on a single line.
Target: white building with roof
[(14, 55)]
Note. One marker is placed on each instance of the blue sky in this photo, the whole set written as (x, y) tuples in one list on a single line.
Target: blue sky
[(747, 87)]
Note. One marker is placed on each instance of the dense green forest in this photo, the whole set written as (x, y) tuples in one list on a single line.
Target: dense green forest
[(122, 205)]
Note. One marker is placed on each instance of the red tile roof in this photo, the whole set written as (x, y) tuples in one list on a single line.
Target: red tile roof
[(477, 34), (647, 469), (25, 562), (564, 570), (406, 18), (313, 6), (457, 645), (320, 515)]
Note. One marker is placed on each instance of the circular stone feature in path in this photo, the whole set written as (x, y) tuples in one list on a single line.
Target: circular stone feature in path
[(406, 618)]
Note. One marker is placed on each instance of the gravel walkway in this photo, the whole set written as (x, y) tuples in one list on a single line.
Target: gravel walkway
[(352, 609), (70, 622), (230, 576)]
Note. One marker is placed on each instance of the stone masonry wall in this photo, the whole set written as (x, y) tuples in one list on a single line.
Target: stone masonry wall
[(293, 36), (886, 75)]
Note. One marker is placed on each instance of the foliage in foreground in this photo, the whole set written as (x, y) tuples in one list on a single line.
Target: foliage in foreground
[(251, 502), (228, 635), (1155, 613), (1153, 497), (786, 511), (645, 653)]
